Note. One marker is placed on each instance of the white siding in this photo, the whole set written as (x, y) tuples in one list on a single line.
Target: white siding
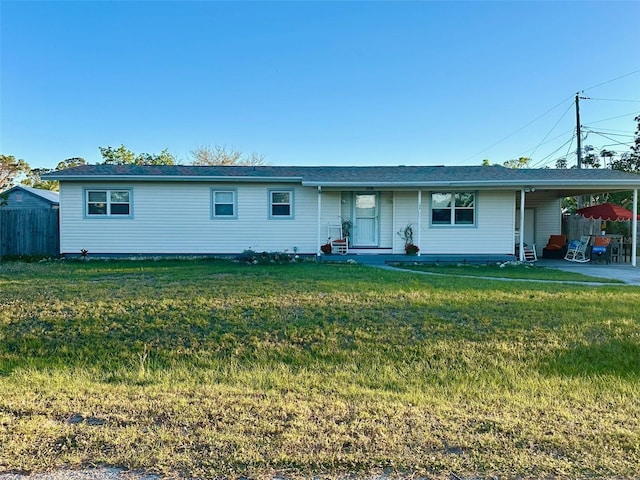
[(492, 234), (548, 218), (386, 220), (331, 213), (176, 218), (406, 211)]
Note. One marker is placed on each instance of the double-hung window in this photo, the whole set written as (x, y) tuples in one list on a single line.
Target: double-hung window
[(453, 208), (280, 203), (224, 204), (108, 203)]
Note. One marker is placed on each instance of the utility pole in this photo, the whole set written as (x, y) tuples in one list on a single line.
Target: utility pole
[(579, 152)]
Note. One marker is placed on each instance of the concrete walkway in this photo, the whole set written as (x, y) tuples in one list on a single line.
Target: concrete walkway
[(615, 271)]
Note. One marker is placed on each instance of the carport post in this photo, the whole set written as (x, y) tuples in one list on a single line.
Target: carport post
[(634, 228), (319, 240), (419, 221), (521, 239)]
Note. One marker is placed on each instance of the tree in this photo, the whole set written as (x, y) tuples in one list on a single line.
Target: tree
[(607, 156), (123, 156), (522, 162), (34, 175), (10, 169), (219, 155), (630, 161), (33, 179), (71, 162), (561, 163)]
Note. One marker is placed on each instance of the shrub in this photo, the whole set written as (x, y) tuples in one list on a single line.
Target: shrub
[(266, 258)]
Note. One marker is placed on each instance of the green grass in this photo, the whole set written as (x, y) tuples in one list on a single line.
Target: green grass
[(212, 369), (512, 271)]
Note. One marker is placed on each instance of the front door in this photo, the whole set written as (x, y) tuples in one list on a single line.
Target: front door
[(365, 227)]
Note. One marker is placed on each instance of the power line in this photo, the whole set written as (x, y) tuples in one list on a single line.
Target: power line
[(613, 118), (556, 106), (552, 128), (519, 130), (542, 160), (570, 145), (528, 150), (628, 144), (608, 130), (612, 80), (614, 100), (614, 134)]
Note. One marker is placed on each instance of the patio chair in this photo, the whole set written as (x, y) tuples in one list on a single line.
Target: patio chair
[(339, 243), (577, 251), (556, 247)]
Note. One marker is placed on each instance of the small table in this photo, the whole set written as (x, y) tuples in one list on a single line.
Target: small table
[(599, 252)]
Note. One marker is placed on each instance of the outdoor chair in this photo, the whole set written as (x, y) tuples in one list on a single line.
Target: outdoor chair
[(556, 247), (339, 243), (577, 251), (601, 249), (529, 252)]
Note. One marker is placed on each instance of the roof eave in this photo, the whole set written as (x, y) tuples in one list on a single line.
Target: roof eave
[(168, 178), (549, 184)]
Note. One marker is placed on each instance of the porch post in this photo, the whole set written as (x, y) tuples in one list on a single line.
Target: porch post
[(521, 239), (319, 219), (393, 222), (634, 228), (419, 221)]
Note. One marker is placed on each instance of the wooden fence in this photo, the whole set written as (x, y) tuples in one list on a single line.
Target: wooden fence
[(575, 226), (29, 231)]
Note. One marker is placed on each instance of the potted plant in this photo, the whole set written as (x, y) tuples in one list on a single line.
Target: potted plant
[(407, 235), (326, 248), (411, 249), (347, 225)]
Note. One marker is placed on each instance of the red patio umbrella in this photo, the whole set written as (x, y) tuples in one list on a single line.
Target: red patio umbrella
[(606, 211)]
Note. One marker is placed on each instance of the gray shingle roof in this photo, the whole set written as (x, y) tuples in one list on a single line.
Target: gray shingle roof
[(356, 176), (48, 195)]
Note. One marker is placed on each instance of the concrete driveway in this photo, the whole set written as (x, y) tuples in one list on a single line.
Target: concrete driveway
[(615, 271)]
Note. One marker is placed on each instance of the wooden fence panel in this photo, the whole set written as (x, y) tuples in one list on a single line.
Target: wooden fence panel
[(29, 232), (575, 226)]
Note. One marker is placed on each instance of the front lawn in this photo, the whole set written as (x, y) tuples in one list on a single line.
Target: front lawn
[(212, 369)]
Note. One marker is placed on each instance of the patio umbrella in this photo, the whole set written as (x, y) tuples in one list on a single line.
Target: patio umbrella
[(606, 211)]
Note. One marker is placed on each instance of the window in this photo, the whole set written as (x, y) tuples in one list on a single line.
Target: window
[(108, 203), (280, 203), (223, 204), (453, 208)]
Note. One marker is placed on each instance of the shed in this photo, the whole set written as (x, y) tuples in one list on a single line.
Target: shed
[(28, 197), (29, 222)]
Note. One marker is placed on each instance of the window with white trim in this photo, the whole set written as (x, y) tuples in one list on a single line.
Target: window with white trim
[(453, 208), (223, 204), (280, 203), (108, 203)]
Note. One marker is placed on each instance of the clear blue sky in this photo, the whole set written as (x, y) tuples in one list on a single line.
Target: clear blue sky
[(317, 83)]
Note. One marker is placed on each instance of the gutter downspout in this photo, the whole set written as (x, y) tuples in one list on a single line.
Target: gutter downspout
[(634, 229), (419, 221), (521, 239), (319, 239)]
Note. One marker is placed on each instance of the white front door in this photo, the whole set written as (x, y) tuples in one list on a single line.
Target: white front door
[(365, 228)]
